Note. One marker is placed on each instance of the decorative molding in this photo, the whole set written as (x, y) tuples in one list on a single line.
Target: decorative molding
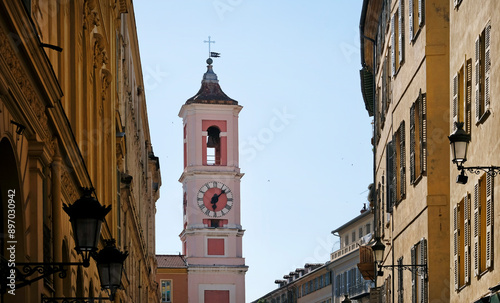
[(25, 86), (69, 186), (90, 16)]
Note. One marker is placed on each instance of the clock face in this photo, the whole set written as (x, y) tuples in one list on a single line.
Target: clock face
[(215, 199)]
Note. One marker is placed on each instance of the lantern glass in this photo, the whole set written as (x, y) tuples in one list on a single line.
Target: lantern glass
[(110, 274), (378, 251), (459, 151), (87, 232)]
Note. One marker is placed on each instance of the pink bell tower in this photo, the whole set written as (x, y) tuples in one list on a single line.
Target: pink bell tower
[(212, 233)]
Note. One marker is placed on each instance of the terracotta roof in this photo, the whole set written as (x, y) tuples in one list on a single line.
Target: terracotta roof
[(171, 261), (210, 91)]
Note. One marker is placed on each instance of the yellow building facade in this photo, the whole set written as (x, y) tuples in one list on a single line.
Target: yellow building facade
[(405, 84), (474, 90), (72, 115)]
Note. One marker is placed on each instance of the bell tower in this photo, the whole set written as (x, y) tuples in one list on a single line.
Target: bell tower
[(212, 232)]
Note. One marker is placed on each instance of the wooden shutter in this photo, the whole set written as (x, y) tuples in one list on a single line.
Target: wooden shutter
[(412, 143), (421, 14), (487, 66), (390, 176), (423, 132), (477, 68), (393, 47), (401, 31), (477, 229), (489, 220), (394, 170), (410, 17), (400, 280), (466, 259), (384, 89), (468, 95), (402, 160), (455, 101), (456, 243), (423, 276), (413, 275)]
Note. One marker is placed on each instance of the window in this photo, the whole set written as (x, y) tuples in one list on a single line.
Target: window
[(419, 278), (462, 96), (166, 291), (418, 138), (416, 17), (398, 186), (213, 146), (461, 242), (360, 232), (368, 228), (482, 69), (397, 31), (346, 241), (483, 227)]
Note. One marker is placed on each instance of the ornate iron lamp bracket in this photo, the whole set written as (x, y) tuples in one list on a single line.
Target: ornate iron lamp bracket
[(490, 170), (420, 269)]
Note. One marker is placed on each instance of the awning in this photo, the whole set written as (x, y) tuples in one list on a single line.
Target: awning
[(367, 89)]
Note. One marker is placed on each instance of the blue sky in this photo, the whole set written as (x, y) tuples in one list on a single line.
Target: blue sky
[(304, 131)]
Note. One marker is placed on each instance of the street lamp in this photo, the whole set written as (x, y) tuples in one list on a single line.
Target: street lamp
[(459, 143), (110, 265), (378, 251), (86, 216)]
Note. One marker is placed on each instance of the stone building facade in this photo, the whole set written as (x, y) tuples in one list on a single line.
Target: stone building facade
[(427, 65), (72, 115), (405, 83)]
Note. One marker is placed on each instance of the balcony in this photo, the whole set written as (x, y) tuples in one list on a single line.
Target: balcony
[(343, 251)]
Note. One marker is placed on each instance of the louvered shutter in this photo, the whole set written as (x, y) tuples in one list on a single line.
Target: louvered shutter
[(487, 66), (410, 17), (412, 143), (468, 95), (401, 32), (477, 68), (455, 101), (393, 47), (390, 177), (489, 220), (394, 170), (466, 259), (400, 280), (423, 132), (421, 10), (402, 159), (423, 276), (413, 275), (456, 240), (477, 229), (384, 89), (455, 3)]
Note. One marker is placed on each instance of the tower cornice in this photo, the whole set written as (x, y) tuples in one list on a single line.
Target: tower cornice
[(191, 172)]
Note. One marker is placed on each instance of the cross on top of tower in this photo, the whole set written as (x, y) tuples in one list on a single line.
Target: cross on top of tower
[(210, 53), (209, 42)]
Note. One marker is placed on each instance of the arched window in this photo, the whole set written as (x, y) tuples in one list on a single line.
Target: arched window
[(213, 146)]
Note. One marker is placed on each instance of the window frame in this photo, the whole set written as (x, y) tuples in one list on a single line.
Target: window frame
[(170, 292), (418, 139), (482, 68)]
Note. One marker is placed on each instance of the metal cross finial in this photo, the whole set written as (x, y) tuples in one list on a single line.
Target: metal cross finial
[(209, 42)]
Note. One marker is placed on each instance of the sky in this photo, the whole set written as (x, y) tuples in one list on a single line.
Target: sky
[(304, 131)]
